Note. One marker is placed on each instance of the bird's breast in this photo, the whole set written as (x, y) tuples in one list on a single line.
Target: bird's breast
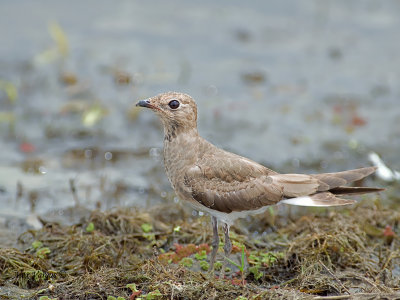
[(179, 155)]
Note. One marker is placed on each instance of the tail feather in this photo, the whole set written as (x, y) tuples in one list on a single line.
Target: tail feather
[(333, 180), (323, 199), (347, 190), (332, 185)]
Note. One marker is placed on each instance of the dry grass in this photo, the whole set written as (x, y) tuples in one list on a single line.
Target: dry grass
[(347, 252)]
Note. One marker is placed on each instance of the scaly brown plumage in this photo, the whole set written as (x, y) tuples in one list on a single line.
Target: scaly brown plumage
[(229, 186)]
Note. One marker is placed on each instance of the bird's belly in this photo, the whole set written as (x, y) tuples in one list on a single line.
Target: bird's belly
[(228, 218)]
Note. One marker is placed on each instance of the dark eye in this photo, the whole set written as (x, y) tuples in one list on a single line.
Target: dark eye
[(174, 104)]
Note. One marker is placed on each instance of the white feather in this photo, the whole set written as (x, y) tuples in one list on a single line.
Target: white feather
[(302, 201), (383, 172)]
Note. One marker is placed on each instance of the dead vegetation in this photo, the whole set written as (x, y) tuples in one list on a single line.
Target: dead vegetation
[(163, 252)]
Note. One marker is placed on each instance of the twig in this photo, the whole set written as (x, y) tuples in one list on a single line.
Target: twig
[(334, 276), (332, 297), (287, 282), (346, 296), (391, 256), (369, 282)]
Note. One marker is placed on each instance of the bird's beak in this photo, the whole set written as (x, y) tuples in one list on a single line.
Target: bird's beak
[(144, 103)]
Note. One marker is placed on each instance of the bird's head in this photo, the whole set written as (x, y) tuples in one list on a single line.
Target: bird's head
[(178, 111)]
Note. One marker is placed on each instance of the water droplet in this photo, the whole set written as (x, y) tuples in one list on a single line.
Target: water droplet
[(42, 170), (88, 153), (194, 213), (154, 152), (108, 155), (163, 194), (201, 213), (176, 199), (212, 90), (60, 212)]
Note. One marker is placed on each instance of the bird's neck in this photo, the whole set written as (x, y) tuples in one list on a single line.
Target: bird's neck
[(173, 129), (179, 150)]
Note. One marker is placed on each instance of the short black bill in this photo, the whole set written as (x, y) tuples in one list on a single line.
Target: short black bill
[(143, 103)]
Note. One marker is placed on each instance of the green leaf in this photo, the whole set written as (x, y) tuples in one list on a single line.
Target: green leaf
[(153, 295), (271, 210), (59, 37), (60, 48), (233, 262), (243, 259), (10, 90), (146, 227), (132, 286), (37, 244), (93, 115), (42, 252), (149, 236), (271, 257), (217, 265), (201, 255), (187, 262), (256, 272), (90, 227), (204, 265)]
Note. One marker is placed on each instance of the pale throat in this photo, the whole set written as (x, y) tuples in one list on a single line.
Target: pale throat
[(173, 129)]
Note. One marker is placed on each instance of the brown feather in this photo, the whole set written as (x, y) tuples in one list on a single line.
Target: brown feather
[(221, 181), (333, 180)]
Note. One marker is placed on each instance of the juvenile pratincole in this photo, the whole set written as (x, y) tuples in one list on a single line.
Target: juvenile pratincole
[(229, 186)]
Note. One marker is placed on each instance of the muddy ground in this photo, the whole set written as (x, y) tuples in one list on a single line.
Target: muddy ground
[(163, 253)]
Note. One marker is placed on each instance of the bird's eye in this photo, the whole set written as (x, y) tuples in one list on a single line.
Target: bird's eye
[(173, 104)]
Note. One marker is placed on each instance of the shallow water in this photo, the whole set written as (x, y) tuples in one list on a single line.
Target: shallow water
[(311, 86)]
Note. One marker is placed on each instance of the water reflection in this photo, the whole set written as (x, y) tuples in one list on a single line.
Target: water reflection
[(271, 81)]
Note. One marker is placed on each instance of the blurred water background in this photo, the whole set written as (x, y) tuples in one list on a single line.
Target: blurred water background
[(300, 86)]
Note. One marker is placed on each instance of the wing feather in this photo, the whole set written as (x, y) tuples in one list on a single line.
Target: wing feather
[(228, 182)]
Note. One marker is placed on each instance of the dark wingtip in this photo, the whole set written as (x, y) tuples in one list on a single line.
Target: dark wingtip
[(348, 190)]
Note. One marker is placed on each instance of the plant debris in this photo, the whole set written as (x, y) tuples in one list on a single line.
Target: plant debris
[(132, 254)]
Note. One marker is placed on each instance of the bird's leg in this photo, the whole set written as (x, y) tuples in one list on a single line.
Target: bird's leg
[(215, 242), (227, 249)]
